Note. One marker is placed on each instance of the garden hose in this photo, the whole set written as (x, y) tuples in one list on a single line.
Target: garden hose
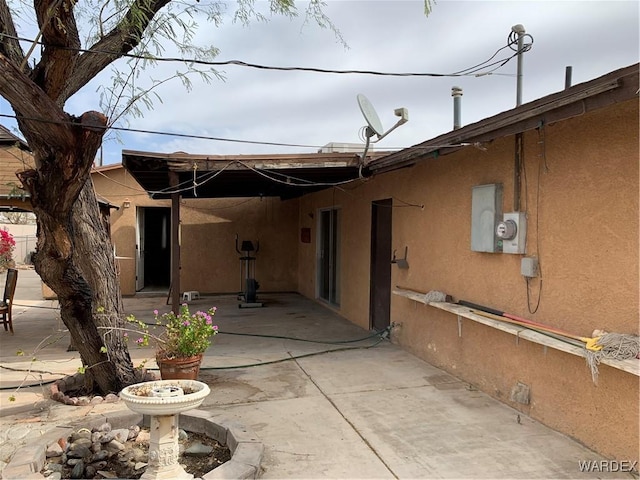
[(329, 342), (380, 334)]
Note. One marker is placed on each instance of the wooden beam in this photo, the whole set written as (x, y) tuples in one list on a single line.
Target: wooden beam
[(175, 243)]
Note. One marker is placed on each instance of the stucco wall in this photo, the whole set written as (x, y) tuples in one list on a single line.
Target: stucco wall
[(580, 193), (209, 261)]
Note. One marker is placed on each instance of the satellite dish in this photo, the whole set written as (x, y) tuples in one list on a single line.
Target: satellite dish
[(370, 115)]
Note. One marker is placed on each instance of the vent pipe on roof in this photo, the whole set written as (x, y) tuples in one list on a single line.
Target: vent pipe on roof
[(456, 93), (567, 76)]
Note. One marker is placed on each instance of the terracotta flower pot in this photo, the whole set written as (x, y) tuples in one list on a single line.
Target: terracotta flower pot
[(187, 368)]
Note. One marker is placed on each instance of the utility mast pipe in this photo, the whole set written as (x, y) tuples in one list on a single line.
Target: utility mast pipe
[(520, 31)]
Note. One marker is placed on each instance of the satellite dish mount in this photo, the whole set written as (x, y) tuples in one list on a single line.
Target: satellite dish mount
[(374, 125)]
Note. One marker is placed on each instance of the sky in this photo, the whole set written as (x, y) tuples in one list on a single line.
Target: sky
[(309, 110)]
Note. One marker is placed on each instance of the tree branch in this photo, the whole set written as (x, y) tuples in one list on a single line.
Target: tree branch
[(123, 38), (30, 102), (9, 47), (58, 26)]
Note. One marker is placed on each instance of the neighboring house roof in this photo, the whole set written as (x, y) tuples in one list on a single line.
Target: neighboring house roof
[(105, 203), (16, 158), (18, 161), (220, 176), (617, 86), (8, 138), (106, 168)]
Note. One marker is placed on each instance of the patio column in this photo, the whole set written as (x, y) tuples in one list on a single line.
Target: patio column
[(175, 243)]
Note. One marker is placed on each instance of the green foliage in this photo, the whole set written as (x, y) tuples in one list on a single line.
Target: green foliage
[(185, 334)]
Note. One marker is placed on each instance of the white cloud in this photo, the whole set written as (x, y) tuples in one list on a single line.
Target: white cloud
[(594, 37)]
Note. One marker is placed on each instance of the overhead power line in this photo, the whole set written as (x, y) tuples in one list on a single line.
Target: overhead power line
[(475, 70), (168, 134), (204, 137)]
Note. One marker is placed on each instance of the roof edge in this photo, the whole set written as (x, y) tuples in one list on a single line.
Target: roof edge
[(6, 136), (614, 87)]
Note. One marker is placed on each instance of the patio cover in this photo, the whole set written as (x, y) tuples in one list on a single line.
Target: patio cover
[(223, 176), (182, 175)]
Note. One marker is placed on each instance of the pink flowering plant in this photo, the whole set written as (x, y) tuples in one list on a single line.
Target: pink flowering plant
[(185, 334), (7, 245)]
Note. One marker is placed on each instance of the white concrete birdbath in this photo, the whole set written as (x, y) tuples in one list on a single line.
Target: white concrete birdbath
[(163, 401)]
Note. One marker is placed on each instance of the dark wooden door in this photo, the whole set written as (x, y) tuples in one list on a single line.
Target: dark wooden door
[(380, 290)]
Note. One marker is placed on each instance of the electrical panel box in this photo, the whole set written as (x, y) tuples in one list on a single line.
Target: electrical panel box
[(512, 230), (486, 212)]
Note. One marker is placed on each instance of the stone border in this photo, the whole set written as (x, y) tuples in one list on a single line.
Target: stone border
[(246, 449), (58, 389)]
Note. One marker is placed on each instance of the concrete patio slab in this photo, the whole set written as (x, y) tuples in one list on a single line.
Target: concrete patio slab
[(376, 412)]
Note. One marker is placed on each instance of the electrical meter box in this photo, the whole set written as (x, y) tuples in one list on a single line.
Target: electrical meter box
[(486, 212), (512, 230)]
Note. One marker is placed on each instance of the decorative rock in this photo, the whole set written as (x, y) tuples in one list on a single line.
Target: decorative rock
[(124, 458), (79, 452), (63, 443), (70, 401), (96, 447), (100, 455), (114, 446), (139, 455), (106, 437), (55, 476), (54, 450), (78, 470), (140, 465), (80, 442), (74, 461), (132, 456), (90, 472), (182, 435), (81, 433), (99, 465), (55, 467), (121, 434), (143, 436), (105, 427), (97, 400), (111, 398), (133, 432), (84, 401), (107, 474), (198, 450)]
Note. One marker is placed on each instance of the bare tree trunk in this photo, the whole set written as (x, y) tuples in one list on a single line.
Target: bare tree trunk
[(92, 241), (74, 256)]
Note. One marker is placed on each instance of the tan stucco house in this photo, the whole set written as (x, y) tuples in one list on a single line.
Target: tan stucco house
[(564, 168), (368, 238)]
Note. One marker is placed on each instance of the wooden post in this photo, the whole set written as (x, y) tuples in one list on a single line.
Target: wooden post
[(175, 243)]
